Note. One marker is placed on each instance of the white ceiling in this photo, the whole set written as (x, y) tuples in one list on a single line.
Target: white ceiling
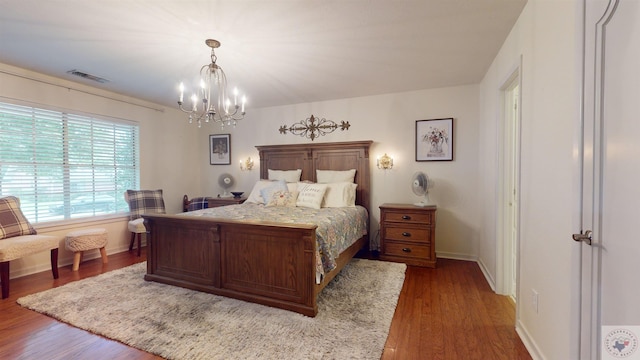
[(277, 52)]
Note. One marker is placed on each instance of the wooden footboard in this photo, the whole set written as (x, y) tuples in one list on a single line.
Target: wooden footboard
[(265, 263)]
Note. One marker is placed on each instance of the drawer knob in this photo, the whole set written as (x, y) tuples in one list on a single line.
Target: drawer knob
[(407, 234), (406, 217), (407, 250)]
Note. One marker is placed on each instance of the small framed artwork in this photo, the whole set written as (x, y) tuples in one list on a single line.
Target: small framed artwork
[(434, 140), (220, 149)]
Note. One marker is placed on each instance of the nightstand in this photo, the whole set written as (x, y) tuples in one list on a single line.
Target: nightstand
[(220, 201), (408, 234)]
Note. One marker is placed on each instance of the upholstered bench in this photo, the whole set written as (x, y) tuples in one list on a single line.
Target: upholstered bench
[(83, 240)]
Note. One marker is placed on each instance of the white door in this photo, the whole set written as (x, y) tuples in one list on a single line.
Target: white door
[(509, 170), (611, 181)]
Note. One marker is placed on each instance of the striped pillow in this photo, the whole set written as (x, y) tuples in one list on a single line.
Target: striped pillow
[(145, 202), (12, 220)]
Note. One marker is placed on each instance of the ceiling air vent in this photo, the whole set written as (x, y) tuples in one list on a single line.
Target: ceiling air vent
[(87, 76)]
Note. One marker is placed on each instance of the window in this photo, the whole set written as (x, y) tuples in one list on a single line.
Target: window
[(66, 166)]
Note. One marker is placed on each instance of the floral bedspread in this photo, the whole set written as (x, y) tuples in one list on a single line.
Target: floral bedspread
[(337, 229)]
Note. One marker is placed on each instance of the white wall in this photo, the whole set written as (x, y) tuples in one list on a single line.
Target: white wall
[(173, 161), (547, 37), (168, 156), (388, 120)]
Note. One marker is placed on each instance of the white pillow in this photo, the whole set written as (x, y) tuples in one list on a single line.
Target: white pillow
[(334, 176), (267, 192), (310, 195), (289, 176), (292, 186), (341, 194), (255, 196)]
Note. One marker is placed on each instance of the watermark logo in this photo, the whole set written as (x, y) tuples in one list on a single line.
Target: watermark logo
[(620, 342)]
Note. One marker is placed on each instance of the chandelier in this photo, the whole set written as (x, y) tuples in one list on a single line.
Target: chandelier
[(216, 106)]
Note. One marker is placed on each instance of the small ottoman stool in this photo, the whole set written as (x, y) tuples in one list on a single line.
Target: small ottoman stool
[(83, 240)]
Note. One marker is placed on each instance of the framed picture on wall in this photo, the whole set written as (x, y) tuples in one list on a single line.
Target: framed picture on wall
[(220, 149), (434, 140)]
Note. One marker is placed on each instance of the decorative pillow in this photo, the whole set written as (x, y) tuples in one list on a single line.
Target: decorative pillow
[(12, 220), (267, 192), (310, 195), (341, 194), (334, 176), (283, 198), (145, 202), (198, 203), (255, 196), (289, 176)]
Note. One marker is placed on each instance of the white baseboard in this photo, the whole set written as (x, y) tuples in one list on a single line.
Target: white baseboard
[(40, 267), (528, 342), (487, 275), (456, 256)]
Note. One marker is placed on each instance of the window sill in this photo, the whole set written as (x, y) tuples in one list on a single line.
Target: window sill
[(86, 221)]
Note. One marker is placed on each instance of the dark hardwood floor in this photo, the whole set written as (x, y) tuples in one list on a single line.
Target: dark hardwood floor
[(444, 313)]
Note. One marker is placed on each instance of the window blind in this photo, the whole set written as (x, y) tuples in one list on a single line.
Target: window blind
[(64, 165)]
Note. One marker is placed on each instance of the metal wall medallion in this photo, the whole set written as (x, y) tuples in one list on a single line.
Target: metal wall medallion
[(313, 127)]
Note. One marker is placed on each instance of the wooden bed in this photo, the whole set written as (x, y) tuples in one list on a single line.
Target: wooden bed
[(260, 262)]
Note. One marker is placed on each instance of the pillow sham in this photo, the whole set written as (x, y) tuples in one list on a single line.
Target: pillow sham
[(334, 176), (289, 176), (292, 187), (267, 192), (255, 196), (12, 220), (342, 194), (310, 195), (283, 198)]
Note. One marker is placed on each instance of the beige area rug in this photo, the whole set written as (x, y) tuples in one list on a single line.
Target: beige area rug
[(355, 312)]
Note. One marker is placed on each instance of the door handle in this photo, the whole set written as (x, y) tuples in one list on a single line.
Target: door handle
[(584, 237)]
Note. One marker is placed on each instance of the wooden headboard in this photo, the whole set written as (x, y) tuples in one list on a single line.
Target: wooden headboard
[(321, 156)]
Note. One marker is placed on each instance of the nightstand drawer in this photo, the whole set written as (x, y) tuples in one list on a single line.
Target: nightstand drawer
[(411, 250), (408, 217), (404, 233)]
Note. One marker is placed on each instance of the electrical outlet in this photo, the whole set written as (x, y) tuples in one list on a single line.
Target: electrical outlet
[(534, 300)]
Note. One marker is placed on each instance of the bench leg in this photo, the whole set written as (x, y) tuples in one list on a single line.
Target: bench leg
[(139, 243), (54, 262), (4, 278), (103, 253), (76, 260)]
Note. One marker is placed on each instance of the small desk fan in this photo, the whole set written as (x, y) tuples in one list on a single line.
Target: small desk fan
[(226, 182), (420, 185)]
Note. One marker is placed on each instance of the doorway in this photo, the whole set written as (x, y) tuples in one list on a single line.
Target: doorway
[(509, 188)]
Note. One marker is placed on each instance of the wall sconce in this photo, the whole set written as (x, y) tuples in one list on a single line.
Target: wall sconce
[(385, 162), (246, 164)]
